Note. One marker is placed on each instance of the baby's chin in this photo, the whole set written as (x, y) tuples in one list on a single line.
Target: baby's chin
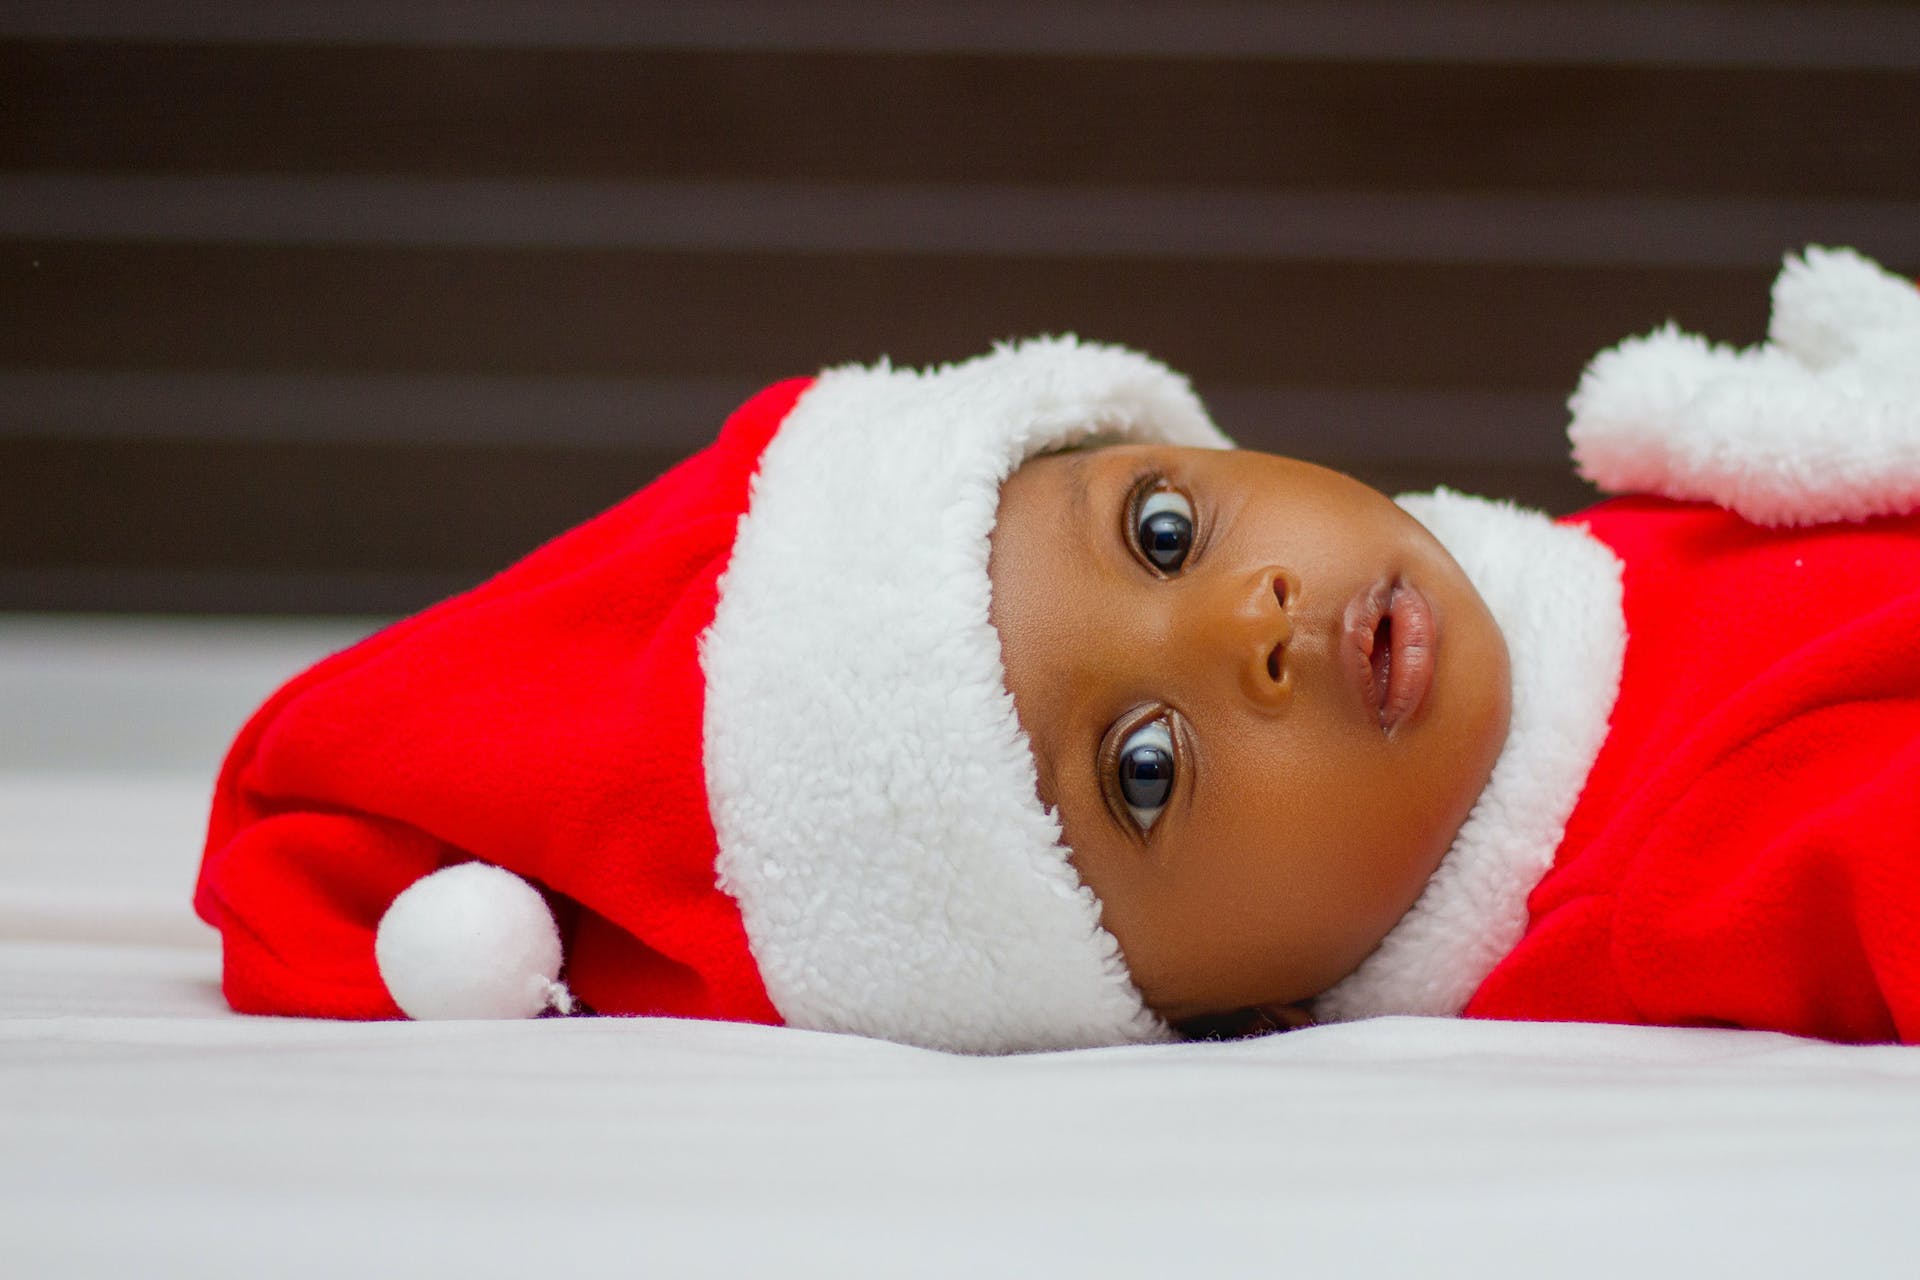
[(1473, 704)]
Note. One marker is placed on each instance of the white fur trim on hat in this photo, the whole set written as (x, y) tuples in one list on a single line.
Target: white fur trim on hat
[(1555, 592), (873, 794), (1821, 422)]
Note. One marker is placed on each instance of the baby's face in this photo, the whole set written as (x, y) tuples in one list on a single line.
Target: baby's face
[(1262, 700)]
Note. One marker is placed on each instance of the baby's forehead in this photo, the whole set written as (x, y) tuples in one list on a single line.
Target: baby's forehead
[(1075, 464), (1072, 470)]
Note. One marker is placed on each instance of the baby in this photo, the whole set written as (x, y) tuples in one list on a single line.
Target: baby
[(1004, 707)]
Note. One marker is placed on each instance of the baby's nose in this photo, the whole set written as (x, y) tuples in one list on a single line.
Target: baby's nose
[(1262, 629)]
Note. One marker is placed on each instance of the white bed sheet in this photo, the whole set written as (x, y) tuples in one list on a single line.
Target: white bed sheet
[(146, 1131)]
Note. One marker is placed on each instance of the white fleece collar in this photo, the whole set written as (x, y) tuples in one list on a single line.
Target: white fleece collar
[(1555, 592)]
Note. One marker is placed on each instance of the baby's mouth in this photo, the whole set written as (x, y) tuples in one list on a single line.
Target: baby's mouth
[(1381, 660), (1390, 641)]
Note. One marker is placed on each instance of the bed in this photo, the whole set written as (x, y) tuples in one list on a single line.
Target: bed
[(145, 1130)]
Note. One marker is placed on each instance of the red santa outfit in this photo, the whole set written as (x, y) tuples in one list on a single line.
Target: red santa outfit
[(1743, 848), (1746, 849)]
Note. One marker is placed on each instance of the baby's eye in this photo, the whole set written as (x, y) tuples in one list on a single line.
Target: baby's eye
[(1163, 526), (1146, 771)]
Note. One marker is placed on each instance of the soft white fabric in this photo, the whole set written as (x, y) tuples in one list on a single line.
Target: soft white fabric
[(146, 1131), (873, 794), (471, 941), (1555, 592), (1821, 422)]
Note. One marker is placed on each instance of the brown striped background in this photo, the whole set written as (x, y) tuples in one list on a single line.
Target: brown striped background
[(337, 307)]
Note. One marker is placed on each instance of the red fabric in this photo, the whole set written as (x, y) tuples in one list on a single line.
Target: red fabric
[(547, 721), (1746, 851)]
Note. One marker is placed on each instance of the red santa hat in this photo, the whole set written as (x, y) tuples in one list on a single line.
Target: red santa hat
[(739, 747)]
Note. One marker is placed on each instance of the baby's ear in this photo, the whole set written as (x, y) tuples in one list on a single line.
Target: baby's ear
[(1245, 1024)]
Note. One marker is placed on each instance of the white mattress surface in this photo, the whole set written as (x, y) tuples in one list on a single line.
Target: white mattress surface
[(147, 1131)]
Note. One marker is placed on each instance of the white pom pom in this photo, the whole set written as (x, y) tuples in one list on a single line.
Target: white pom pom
[(471, 941)]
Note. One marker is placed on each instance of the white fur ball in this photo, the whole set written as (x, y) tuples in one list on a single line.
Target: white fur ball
[(470, 941)]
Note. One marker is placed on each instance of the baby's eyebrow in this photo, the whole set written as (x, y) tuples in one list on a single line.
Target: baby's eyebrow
[(1079, 494)]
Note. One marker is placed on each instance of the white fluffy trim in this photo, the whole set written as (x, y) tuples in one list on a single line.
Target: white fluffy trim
[(874, 796), (1555, 592), (1821, 422), (471, 941)]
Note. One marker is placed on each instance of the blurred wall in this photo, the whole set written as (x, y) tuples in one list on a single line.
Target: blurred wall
[(338, 307)]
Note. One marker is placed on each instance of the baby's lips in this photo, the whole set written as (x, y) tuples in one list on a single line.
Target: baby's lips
[(1390, 685), (1415, 636), (1359, 627)]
